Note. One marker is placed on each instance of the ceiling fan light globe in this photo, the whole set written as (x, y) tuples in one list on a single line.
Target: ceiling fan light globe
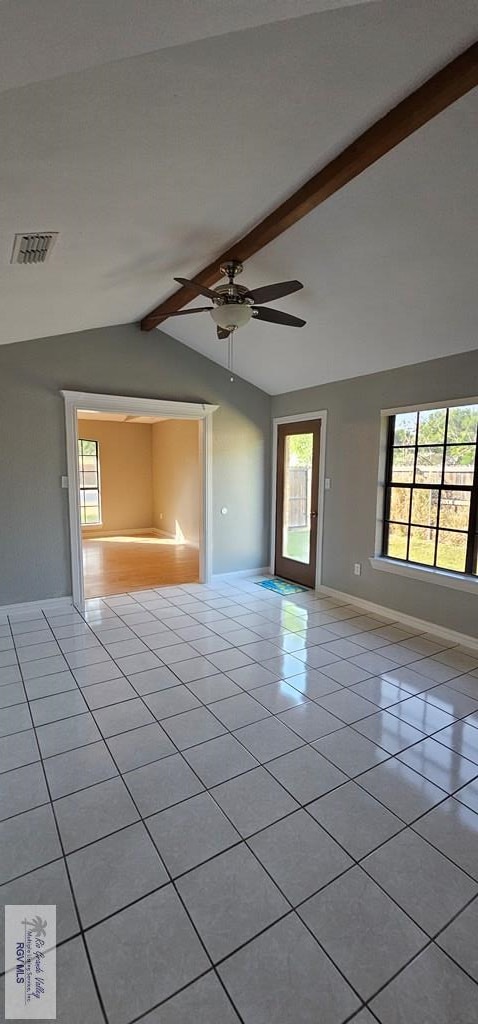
[(231, 315)]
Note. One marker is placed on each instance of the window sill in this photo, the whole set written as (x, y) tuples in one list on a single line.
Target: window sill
[(426, 575)]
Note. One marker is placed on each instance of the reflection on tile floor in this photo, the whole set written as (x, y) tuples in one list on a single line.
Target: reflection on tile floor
[(246, 807)]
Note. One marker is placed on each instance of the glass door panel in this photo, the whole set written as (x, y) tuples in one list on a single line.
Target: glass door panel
[(297, 496), (298, 447)]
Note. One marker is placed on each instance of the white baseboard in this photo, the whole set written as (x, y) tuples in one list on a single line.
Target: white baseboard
[(92, 532), (51, 604), (423, 625), (238, 574)]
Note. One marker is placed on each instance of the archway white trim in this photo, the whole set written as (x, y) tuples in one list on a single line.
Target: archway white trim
[(82, 400)]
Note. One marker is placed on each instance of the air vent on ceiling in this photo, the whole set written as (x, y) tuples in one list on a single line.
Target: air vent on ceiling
[(34, 247)]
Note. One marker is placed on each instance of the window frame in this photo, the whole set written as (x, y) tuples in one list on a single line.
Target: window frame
[(99, 522), (470, 572)]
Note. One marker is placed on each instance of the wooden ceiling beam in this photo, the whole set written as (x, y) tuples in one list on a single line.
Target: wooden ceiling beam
[(436, 94)]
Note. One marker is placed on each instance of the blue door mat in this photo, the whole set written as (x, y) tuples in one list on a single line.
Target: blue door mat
[(281, 586)]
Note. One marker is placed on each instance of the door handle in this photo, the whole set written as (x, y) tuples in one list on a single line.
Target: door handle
[(313, 515)]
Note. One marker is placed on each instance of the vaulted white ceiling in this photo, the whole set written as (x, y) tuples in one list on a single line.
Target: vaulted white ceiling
[(43, 39), (150, 135)]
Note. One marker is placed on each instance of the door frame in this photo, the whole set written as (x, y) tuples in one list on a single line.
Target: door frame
[(279, 420), (81, 400)]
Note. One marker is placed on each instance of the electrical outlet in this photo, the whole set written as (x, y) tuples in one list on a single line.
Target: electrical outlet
[(357, 568)]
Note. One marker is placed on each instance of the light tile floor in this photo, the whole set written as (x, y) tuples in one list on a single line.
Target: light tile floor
[(245, 807)]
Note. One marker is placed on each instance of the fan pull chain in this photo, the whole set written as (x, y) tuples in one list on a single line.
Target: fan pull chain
[(230, 355)]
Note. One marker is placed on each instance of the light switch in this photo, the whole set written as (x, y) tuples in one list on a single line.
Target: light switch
[(64, 482)]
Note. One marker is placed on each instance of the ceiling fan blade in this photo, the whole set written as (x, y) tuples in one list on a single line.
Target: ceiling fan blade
[(273, 291), (222, 334), (185, 312), (199, 288), (276, 316)]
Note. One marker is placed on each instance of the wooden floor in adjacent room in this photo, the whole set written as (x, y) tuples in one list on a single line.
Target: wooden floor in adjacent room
[(120, 564)]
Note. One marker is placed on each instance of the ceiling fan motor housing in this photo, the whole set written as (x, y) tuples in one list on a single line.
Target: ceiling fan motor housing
[(232, 293), (232, 309)]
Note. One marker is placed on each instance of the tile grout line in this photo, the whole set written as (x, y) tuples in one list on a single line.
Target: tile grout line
[(82, 930), (72, 892), (391, 757), (229, 732), (292, 910), (173, 883), (262, 764), (356, 863)]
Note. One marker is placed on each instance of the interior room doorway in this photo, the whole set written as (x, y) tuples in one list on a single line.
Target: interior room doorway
[(139, 480), (139, 501), (299, 446)]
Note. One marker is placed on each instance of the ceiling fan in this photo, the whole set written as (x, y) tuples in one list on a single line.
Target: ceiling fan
[(234, 304)]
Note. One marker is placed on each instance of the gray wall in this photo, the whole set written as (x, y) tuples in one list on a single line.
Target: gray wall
[(353, 433), (34, 535)]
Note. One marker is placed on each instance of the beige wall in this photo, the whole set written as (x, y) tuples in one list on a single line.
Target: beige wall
[(149, 475), (125, 474), (176, 477)]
